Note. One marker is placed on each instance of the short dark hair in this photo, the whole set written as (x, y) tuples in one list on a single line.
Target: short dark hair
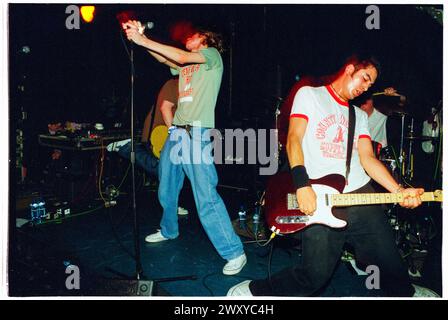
[(363, 61), (212, 39)]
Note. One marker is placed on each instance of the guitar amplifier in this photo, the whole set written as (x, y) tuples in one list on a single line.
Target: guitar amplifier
[(93, 141), (244, 159), (232, 165)]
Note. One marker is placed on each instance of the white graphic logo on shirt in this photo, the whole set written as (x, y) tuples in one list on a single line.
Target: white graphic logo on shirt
[(331, 132)]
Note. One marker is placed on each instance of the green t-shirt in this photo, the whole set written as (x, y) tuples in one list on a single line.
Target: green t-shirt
[(198, 90)]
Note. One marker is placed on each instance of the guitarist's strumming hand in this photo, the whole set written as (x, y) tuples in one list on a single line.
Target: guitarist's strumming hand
[(411, 197), (306, 198)]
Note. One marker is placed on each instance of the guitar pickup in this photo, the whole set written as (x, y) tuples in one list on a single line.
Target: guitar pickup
[(291, 219), (292, 202)]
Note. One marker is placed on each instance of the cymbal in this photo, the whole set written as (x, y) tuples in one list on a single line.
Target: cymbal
[(400, 112), (422, 138)]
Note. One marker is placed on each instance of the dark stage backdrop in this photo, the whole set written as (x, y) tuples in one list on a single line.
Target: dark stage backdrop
[(83, 75)]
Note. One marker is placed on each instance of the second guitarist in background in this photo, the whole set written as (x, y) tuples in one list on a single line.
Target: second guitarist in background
[(155, 128), (161, 114), (317, 146)]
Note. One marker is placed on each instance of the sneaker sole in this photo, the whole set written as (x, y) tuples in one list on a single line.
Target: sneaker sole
[(236, 288), (155, 241), (233, 272)]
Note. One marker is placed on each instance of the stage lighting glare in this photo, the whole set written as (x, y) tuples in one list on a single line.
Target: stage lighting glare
[(87, 13)]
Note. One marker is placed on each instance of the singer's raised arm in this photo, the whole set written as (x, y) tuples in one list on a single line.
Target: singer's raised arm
[(159, 50), (164, 60)]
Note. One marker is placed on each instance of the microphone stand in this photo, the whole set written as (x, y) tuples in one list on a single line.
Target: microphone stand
[(438, 116), (277, 113), (144, 287), (138, 263), (410, 163), (401, 157)]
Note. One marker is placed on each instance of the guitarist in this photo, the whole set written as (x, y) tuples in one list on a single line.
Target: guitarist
[(160, 114), (166, 103), (316, 147), (165, 108)]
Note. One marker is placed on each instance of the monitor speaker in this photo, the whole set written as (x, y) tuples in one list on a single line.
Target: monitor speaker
[(113, 287)]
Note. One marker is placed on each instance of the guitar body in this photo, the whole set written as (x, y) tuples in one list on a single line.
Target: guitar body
[(282, 214), (158, 137)]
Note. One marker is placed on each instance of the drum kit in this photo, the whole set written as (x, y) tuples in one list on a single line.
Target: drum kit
[(412, 232), (402, 167)]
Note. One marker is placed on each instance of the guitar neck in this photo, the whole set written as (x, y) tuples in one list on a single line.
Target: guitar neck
[(373, 198)]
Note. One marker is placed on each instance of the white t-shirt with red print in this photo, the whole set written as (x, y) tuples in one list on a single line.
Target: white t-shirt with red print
[(324, 144)]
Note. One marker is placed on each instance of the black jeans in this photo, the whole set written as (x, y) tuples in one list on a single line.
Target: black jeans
[(371, 236)]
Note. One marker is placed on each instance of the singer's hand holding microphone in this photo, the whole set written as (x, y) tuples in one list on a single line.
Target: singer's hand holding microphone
[(134, 31)]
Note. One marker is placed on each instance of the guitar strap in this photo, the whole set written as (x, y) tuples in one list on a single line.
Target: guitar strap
[(153, 113), (350, 137), (147, 145)]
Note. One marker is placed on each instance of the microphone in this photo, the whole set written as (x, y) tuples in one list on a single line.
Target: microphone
[(146, 26), (25, 50)]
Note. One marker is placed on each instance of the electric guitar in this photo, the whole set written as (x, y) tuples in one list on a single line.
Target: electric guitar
[(157, 139), (283, 215)]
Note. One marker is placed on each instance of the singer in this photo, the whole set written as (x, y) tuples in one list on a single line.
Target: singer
[(200, 69)]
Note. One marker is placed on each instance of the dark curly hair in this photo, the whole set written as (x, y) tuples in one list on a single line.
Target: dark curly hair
[(212, 39)]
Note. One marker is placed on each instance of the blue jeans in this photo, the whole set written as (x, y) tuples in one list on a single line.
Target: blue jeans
[(175, 163), (143, 157)]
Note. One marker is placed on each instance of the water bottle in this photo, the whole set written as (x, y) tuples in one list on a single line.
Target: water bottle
[(34, 211), (256, 219), (242, 217), (41, 211)]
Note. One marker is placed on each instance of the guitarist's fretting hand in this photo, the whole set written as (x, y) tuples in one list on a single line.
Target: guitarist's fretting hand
[(411, 197), (306, 198)]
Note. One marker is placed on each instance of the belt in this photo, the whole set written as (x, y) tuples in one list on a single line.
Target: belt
[(186, 127)]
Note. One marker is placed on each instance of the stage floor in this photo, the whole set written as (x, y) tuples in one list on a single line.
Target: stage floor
[(101, 241)]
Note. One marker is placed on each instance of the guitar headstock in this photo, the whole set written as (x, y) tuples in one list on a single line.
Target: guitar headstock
[(438, 195)]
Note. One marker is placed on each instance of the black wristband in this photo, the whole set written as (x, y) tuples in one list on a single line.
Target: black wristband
[(300, 177)]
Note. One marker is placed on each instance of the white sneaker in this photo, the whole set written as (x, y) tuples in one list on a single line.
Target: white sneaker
[(240, 289), (234, 266), (115, 146), (421, 292), (155, 237), (181, 211)]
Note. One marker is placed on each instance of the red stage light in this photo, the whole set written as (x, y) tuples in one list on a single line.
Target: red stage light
[(87, 13), (125, 16), (181, 31)]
